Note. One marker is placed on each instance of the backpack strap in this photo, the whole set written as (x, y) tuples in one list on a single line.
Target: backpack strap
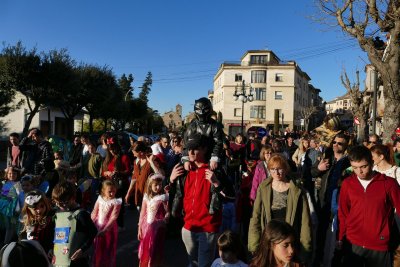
[(75, 214)]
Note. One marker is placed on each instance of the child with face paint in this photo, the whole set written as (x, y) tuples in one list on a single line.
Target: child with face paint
[(38, 223)]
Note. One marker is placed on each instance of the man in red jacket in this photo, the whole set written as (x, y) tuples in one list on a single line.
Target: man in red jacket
[(366, 212), (203, 190)]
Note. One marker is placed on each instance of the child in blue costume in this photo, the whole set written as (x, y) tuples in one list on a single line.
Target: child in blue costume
[(8, 203)]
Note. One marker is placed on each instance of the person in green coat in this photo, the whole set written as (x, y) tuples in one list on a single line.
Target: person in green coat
[(279, 198)]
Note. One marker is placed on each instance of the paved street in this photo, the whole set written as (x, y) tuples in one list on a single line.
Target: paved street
[(175, 255)]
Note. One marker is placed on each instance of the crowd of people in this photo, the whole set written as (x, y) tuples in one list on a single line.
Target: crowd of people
[(234, 201)]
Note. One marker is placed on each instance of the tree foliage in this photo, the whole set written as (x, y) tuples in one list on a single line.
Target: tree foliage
[(100, 85), (364, 20), (22, 71), (306, 113), (125, 84), (63, 84), (146, 87), (54, 79)]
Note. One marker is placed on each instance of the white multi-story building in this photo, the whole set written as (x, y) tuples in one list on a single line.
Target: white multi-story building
[(341, 106), (280, 90)]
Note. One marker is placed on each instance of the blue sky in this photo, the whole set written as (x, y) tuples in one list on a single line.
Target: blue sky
[(182, 42)]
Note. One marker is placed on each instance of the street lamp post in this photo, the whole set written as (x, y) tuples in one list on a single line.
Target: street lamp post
[(240, 94), (126, 95), (129, 91)]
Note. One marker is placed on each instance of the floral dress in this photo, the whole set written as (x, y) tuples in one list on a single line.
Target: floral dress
[(152, 225), (104, 216)]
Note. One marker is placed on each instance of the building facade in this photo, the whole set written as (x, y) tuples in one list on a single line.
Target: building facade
[(173, 119), (279, 90), (50, 120), (341, 106)]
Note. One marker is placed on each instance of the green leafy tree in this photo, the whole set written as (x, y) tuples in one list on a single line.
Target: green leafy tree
[(125, 84), (99, 83), (146, 87), (143, 119), (123, 115), (97, 126), (63, 83), (21, 71), (152, 122), (7, 94)]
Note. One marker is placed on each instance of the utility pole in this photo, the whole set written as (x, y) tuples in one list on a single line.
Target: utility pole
[(375, 100)]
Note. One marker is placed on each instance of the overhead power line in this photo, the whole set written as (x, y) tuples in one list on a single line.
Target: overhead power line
[(299, 54)]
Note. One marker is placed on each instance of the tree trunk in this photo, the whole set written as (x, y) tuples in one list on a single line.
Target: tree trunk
[(105, 125), (70, 128), (389, 74), (390, 119), (29, 120), (90, 124), (362, 129)]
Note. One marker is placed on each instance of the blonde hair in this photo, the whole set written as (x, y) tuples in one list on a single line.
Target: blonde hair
[(150, 181), (107, 183), (8, 169), (28, 216), (301, 145), (265, 148)]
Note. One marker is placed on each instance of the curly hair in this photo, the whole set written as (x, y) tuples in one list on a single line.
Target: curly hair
[(28, 217)]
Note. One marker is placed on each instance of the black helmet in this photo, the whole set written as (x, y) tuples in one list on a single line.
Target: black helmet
[(203, 108)]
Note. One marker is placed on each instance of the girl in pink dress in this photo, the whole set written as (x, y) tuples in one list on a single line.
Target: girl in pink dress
[(104, 216), (152, 223)]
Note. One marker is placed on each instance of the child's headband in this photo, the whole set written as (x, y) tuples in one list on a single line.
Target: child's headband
[(33, 199), (156, 176)]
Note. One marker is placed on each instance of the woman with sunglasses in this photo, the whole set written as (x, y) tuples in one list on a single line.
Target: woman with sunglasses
[(279, 198)]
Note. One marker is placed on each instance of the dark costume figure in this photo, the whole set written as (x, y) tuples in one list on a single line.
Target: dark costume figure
[(206, 126)]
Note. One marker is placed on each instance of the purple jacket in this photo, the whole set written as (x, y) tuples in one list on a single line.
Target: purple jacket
[(261, 173)]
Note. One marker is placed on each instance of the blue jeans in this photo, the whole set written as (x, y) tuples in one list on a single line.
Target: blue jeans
[(229, 217), (200, 247)]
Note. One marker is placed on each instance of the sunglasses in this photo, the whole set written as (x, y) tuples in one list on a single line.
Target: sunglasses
[(372, 142), (338, 143)]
